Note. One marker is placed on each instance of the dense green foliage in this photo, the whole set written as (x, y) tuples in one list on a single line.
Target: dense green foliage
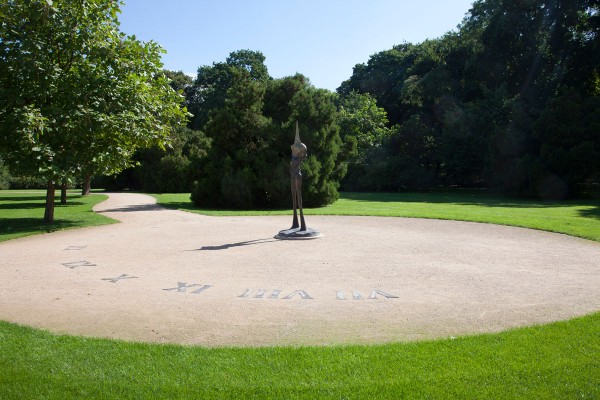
[(4, 176), (511, 101), (77, 96), (250, 119), (555, 361), (173, 169), (363, 123)]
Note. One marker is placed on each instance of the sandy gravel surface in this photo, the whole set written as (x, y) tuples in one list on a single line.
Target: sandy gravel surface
[(174, 277)]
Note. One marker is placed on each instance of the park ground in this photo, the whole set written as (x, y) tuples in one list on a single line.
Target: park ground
[(557, 360)]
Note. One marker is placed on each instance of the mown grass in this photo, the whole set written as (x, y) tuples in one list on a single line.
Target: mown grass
[(22, 213), (555, 361), (575, 217)]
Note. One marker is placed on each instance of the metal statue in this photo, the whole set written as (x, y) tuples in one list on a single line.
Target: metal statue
[(298, 229), (299, 151)]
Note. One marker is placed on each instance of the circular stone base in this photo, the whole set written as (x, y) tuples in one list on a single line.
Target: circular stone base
[(297, 234)]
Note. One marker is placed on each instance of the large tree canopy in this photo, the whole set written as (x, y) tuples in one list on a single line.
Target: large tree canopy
[(250, 118), (212, 82), (482, 105), (76, 95)]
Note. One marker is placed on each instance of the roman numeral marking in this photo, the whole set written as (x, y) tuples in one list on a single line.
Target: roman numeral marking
[(120, 278), (77, 264), (302, 294), (75, 248), (356, 295), (260, 294), (183, 286), (381, 293)]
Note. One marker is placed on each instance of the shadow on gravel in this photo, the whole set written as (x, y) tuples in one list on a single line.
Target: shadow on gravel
[(239, 244), (134, 208)]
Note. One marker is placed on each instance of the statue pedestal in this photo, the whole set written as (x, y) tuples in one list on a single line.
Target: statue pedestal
[(297, 234)]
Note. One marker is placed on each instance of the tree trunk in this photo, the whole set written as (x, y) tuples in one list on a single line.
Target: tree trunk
[(63, 193), (49, 213), (87, 185)]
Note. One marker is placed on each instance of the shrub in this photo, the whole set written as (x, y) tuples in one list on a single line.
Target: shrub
[(248, 165), (4, 176)]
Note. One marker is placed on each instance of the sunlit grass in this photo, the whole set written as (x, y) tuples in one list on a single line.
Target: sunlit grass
[(555, 361), (22, 213), (575, 217)]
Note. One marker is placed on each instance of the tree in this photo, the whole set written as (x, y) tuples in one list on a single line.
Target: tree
[(182, 84), (383, 78), (363, 129), (179, 81), (420, 88), (4, 176), (236, 161), (212, 83), (173, 169), (78, 97), (360, 118), (529, 51), (471, 107), (248, 164), (316, 112), (568, 130)]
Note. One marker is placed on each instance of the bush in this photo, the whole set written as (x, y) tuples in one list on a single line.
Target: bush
[(27, 182), (248, 165), (173, 174), (163, 171), (126, 179), (4, 176), (388, 174)]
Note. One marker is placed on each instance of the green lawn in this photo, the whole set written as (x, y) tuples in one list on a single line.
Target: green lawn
[(576, 217), (554, 361), (22, 213)]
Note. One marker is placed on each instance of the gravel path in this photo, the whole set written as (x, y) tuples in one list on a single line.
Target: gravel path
[(174, 277)]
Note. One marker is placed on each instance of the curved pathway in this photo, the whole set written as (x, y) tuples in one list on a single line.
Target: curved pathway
[(175, 277)]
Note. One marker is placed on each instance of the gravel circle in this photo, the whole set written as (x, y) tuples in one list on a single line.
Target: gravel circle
[(169, 276)]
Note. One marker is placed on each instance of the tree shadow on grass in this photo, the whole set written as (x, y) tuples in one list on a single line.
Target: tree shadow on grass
[(21, 206), (69, 203), (32, 206), (466, 197), (10, 226), (41, 198), (180, 205), (189, 206), (593, 212)]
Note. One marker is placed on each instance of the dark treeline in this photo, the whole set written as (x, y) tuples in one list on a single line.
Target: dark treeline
[(510, 101)]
